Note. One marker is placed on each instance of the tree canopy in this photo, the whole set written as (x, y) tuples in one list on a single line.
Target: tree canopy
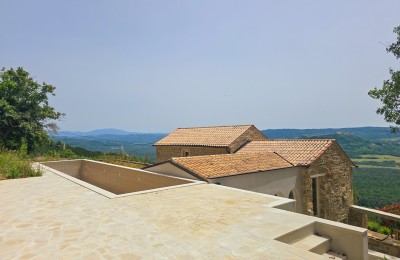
[(389, 94), (25, 114)]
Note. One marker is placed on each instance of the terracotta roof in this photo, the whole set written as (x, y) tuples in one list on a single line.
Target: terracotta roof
[(213, 166), (216, 136), (300, 152)]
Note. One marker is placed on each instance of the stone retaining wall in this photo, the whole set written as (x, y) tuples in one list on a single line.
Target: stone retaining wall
[(387, 246)]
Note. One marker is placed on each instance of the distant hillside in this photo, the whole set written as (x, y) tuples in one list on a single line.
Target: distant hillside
[(133, 144), (355, 146), (106, 131), (370, 133), (355, 141)]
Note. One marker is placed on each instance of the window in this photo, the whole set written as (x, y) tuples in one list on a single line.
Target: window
[(185, 153)]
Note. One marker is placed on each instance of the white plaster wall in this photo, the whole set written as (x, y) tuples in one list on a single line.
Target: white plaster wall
[(269, 182), (279, 182), (171, 170)]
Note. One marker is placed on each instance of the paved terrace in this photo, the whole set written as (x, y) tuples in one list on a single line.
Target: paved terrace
[(51, 217)]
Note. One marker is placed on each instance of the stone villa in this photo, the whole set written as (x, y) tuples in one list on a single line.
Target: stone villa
[(315, 173), (206, 141)]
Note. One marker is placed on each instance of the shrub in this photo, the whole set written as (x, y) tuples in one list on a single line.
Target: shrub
[(13, 165), (393, 208), (373, 226), (68, 154), (384, 230)]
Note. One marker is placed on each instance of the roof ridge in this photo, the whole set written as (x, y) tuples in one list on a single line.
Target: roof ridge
[(284, 158), (224, 155), (299, 152), (213, 126), (274, 140)]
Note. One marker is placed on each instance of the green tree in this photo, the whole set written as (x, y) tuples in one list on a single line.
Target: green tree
[(26, 117), (389, 94)]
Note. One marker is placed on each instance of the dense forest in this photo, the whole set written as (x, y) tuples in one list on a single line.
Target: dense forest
[(376, 187)]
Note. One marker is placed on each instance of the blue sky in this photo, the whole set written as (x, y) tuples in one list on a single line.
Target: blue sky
[(154, 66)]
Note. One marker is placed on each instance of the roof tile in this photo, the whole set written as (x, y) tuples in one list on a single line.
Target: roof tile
[(216, 136), (300, 152), (212, 166)]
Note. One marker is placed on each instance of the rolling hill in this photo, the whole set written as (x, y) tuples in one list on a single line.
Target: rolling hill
[(375, 149), (355, 141)]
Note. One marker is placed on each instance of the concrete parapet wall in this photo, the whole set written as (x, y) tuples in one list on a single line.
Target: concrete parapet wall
[(343, 239), (351, 241), (120, 180), (376, 213), (113, 178), (71, 167)]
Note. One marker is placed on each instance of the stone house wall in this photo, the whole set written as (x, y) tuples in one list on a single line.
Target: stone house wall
[(335, 194), (166, 152), (251, 134)]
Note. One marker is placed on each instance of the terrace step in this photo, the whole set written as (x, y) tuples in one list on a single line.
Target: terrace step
[(297, 234), (306, 238), (314, 243), (334, 255)]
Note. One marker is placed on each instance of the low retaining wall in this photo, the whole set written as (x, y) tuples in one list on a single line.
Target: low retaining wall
[(358, 216), (383, 244)]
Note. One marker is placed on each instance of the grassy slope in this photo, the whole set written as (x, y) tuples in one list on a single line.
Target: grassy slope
[(12, 165)]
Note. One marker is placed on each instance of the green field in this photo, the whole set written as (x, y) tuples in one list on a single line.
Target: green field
[(378, 160), (376, 187)]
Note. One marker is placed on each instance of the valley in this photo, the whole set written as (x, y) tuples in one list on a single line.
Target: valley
[(375, 150)]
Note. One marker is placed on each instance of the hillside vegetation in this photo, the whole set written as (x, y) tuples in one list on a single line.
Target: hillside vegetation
[(370, 133), (355, 146), (138, 145), (377, 187), (15, 165)]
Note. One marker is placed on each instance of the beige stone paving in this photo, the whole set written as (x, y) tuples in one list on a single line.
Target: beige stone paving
[(50, 217)]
